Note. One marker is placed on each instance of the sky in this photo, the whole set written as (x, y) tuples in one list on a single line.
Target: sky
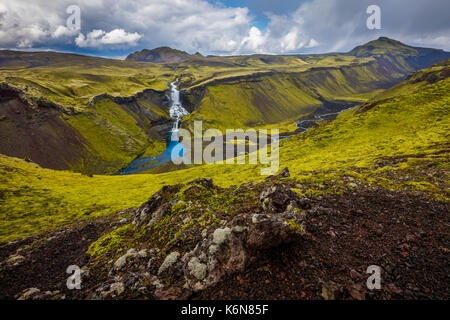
[(115, 28)]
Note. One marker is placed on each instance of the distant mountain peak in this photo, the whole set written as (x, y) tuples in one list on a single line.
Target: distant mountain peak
[(166, 49), (383, 46), (161, 55), (398, 53), (387, 39)]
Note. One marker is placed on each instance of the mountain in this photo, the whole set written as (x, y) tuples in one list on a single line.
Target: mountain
[(161, 55), (402, 55), (383, 46)]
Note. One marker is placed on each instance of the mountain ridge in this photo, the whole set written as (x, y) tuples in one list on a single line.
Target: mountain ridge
[(160, 54)]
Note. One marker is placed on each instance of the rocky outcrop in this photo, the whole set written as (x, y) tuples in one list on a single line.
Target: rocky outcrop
[(277, 238), (155, 208), (227, 248), (200, 254), (155, 97), (232, 248), (155, 124), (8, 92), (191, 99)]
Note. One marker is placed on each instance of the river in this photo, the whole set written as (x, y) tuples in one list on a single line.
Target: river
[(305, 124)]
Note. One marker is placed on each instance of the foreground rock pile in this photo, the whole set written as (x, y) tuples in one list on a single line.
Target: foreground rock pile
[(224, 247), (263, 240)]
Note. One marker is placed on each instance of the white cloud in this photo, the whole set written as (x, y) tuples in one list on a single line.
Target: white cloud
[(91, 40), (119, 36), (292, 40), (30, 34), (98, 38), (254, 42), (63, 31), (312, 43), (192, 25), (199, 25)]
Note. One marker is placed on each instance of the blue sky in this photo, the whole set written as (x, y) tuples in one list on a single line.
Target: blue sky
[(115, 28), (259, 8)]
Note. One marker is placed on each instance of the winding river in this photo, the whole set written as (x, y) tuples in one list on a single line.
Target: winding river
[(305, 124)]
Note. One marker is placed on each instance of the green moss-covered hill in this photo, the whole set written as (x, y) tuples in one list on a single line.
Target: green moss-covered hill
[(397, 140), (86, 114)]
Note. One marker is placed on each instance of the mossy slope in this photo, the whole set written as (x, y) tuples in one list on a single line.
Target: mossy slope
[(413, 127)]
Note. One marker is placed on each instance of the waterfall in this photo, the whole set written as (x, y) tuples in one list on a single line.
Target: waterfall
[(177, 112)]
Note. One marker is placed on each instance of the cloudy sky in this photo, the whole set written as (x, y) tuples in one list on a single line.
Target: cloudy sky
[(117, 27)]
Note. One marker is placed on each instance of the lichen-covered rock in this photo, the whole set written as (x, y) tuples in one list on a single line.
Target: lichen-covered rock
[(118, 288), (15, 259), (142, 253), (169, 261), (231, 249), (197, 269), (29, 293), (220, 235), (147, 212), (121, 262)]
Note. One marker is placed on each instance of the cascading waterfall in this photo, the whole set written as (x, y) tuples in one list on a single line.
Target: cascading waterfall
[(177, 112)]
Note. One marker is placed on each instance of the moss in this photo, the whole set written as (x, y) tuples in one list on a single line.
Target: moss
[(33, 199), (111, 242), (294, 226), (179, 206), (421, 185)]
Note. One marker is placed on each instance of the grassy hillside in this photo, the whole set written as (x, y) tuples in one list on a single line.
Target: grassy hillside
[(72, 80), (259, 100), (103, 138), (87, 114), (407, 128)]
